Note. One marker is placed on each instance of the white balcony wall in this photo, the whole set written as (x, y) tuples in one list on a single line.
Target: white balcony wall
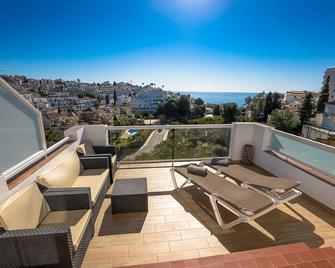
[(259, 136), (312, 186)]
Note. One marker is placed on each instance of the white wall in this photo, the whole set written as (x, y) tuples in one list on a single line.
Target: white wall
[(96, 134), (5, 193), (310, 185)]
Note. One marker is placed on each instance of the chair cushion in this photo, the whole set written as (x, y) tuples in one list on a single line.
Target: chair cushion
[(63, 175), (76, 219), (93, 178), (114, 160), (198, 170), (25, 210), (85, 148)]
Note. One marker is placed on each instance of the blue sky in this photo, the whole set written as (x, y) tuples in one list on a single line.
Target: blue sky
[(214, 45)]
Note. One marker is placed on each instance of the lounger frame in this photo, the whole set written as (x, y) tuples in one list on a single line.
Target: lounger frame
[(215, 200), (278, 198)]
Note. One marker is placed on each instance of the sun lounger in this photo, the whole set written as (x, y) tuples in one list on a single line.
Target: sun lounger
[(246, 204), (280, 189)]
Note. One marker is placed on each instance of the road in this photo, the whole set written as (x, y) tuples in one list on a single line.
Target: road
[(154, 139)]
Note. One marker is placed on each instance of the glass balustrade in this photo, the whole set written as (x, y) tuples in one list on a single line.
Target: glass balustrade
[(157, 144)]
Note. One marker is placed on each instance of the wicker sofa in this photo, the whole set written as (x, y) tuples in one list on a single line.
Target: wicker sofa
[(73, 173), (86, 149), (45, 229)]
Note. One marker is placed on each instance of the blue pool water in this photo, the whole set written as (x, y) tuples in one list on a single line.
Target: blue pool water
[(132, 131)]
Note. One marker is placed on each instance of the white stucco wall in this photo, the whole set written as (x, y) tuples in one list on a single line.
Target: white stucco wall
[(310, 185)]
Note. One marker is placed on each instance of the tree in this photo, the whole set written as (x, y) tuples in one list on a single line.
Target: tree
[(276, 100), (307, 110), (217, 110), (283, 120), (324, 96), (96, 105), (230, 111), (268, 106), (107, 99), (198, 101), (198, 111), (168, 108), (183, 106), (114, 96)]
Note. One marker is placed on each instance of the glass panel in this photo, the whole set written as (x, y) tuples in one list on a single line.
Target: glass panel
[(315, 157), (164, 144), (20, 135), (201, 143)]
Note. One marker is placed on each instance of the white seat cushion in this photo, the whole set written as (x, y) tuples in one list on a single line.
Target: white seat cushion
[(64, 174), (114, 160), (93, 178), (25, 210), (76, 219), (85, 148)]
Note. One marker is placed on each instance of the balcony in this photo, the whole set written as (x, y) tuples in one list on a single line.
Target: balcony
[(180, 225)]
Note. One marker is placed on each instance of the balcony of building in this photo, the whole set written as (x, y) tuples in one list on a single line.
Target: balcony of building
[(180, 225)]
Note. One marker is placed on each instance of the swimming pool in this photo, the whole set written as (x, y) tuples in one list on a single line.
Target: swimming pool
[(132, 131)]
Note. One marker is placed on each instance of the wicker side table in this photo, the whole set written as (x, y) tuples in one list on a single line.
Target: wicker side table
[(130, 195)]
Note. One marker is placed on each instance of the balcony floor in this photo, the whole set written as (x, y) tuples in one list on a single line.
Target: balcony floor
[(181, 225)]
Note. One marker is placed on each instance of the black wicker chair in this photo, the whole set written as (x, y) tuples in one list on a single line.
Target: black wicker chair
[(88, 150), (97, 162), (49, 246)]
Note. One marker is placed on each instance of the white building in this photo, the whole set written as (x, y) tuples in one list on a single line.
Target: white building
[(328, 121), (294, 99), (330, 72), (147, 99)]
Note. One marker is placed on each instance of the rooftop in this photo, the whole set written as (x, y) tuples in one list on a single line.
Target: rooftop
[(75, 194), (181, 225)]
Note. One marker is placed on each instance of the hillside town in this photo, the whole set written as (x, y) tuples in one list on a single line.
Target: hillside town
[(67, 103)]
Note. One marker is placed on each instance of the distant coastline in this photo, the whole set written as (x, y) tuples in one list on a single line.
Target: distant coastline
[(221, 97)]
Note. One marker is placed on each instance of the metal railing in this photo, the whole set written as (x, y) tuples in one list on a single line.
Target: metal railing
[(161, 143)]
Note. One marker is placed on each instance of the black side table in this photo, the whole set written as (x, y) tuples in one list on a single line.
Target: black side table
[(130, 195)]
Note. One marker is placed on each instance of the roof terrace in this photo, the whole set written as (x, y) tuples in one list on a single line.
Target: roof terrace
[(180, 223)]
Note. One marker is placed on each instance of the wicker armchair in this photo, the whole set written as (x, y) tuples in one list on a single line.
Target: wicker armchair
[(73, 174), (86, 149), (37, 233)]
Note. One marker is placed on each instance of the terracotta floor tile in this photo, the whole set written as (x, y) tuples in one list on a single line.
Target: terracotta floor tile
[(177, 264), (233, 264), (248, 264), (305, 256), (263, 262), (319, 254), (277, 260), (305, 265), (291, 258), (322, 264), (332, 261), (329, 251)]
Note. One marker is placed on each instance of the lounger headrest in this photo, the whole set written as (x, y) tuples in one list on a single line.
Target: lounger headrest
[(220, 161), (197, 170)]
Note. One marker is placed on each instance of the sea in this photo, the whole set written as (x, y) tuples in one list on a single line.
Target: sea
[(221, 97)]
